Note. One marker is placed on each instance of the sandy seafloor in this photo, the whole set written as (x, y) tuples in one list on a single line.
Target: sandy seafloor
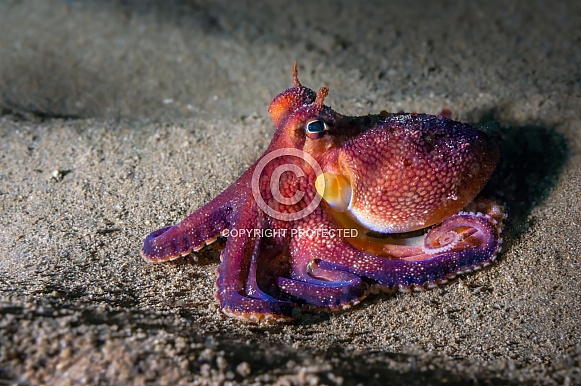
[(120, 117)]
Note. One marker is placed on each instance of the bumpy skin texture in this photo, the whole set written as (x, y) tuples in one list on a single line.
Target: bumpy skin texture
[(399, 211)]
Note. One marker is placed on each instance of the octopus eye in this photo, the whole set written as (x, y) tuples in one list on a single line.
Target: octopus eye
[(315, 129)]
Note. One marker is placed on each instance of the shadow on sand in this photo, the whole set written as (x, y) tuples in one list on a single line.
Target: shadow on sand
[(532, 158)]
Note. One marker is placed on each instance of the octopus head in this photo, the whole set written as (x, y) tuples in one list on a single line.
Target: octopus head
[(389, 173), (409, 171), (289, 101)]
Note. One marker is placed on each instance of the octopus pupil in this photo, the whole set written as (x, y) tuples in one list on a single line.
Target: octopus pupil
[(315, 127)]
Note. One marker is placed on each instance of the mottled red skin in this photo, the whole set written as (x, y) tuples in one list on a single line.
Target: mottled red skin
[(407, 172)]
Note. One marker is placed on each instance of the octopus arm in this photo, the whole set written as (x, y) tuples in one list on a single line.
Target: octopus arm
[(316, 286), (463, 243), (200, 228), (237, 289)]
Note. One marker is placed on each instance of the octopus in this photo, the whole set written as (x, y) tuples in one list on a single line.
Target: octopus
[(339, 207)]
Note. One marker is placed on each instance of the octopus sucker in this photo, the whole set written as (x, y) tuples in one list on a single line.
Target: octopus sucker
[(211, 240), (341, 207)]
